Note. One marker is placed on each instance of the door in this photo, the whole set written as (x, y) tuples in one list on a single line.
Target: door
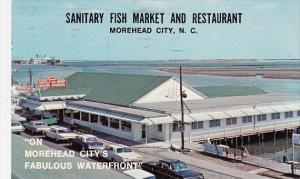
[(143, 131)]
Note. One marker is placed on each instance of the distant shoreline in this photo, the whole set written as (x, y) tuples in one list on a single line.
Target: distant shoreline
[(264, 72)]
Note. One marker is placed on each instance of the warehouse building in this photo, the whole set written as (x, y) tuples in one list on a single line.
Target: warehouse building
[(143, 107)]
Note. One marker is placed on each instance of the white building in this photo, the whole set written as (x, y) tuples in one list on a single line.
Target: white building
[(141, 108)]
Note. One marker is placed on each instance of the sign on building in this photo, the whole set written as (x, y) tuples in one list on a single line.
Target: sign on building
[(296, 139), (51, 83)]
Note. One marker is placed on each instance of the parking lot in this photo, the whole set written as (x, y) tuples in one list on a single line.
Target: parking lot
[(147, 156)]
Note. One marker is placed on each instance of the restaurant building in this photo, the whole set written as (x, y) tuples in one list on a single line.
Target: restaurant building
[(144, 107)]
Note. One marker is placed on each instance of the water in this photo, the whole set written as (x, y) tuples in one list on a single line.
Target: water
[(284, 86), (267, 149)]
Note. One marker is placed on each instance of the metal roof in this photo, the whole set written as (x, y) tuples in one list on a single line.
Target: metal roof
[(223, 103), (229, 90), (114, 110), (123, 89)]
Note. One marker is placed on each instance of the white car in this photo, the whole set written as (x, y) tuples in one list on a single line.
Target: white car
[(16, 127), (60, 133), (121, 153), (139, 174), (87, 142)]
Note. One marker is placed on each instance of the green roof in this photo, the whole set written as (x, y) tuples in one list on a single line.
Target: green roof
[(229, 90), (123, 89), (18, 161)]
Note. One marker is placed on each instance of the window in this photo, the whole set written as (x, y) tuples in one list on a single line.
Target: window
[(114, 123), (298, 113), (84, 116), (94, 118), (275, 116), (103, 120), (126, 126), (159, 127), (247, 119), (231, 121), (288, 114), (76, 115), (197, 125), (175, 126), (215, 123), (261, 117)]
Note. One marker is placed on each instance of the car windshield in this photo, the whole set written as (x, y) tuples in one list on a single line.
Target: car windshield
[(96, 144), (15, 124), (40, 124), (123, 150), (61, 131), (91, 139), (178, 166)]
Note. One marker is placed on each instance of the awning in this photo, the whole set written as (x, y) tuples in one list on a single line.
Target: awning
[(200, 116), (53, 106), (293, 107), (235, 113), (218, 115), (80, 96), (279, 108), (265, 110), (158, 120), (250, 111)]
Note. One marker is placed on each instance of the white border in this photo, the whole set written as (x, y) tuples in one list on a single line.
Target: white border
[(5, 90)]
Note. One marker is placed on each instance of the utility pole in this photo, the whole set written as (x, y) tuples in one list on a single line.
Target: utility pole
[(182, 95), (30, 77)]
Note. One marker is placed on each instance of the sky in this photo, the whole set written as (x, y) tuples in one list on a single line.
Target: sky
[(270, 29)]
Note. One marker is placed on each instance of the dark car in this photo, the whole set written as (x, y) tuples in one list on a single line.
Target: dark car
[(87, 142), (171, 169)]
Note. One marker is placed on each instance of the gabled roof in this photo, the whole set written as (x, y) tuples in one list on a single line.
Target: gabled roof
[(229, 90), (122, 89)]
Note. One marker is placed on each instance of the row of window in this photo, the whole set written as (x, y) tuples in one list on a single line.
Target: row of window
[(233, 121), (104, 121)]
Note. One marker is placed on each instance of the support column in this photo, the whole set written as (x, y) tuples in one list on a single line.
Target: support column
[(258, 135), (274, 141), (146, 134), (242, 140)]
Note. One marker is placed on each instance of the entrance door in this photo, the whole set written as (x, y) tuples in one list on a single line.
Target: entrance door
[(143, 131)]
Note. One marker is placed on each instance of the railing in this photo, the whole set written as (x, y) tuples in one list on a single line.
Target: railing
[(244, 130)]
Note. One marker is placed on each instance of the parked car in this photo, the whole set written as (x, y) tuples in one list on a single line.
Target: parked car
[(121, 153), (16, 127), (87, 142), (171, 169), (60, 133), (36, 126), (139, 174)]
